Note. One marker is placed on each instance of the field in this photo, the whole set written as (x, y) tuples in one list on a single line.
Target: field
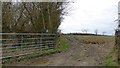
[(76, 50)]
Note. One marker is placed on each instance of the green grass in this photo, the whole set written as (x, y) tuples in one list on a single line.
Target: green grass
[(109, 60), (118, 51), (62, 47), (63, 44)]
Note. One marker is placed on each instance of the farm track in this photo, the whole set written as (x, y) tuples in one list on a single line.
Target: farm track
[(79, 54)]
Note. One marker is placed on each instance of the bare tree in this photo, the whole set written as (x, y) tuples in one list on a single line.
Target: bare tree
[(103, 33), (96, 31), (32, 16), (84, 30)]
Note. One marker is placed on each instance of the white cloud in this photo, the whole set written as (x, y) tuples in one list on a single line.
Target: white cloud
[(91, 14)]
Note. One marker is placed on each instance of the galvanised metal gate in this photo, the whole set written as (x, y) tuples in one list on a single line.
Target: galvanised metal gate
[(19, 44)]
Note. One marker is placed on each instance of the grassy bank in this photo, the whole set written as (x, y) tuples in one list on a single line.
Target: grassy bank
[(63, 44), (110, 59)]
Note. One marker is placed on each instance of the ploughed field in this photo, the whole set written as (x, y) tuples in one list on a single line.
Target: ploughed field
[(82, 51)]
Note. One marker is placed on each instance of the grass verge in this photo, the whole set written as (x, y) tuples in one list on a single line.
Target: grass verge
[(110, 61), (63, 44)]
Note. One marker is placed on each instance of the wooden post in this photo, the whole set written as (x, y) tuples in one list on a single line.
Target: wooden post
[(118, 44), (58, 38)]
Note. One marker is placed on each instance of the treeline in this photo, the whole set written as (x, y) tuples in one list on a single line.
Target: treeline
[(32, 17), (84, 34)]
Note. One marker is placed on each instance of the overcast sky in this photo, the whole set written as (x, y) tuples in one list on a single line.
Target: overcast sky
[(91, 15)]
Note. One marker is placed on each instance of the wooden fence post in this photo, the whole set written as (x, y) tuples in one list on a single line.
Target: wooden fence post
[(57, 40), (118, 44)]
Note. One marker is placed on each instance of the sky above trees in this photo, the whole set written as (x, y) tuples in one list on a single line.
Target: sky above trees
[(91, 15)]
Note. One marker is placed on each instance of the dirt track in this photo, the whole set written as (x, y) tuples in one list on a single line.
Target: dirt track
[(79, 54)]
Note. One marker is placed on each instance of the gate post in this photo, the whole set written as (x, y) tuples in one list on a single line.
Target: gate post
[(118, 34), (117, 41)]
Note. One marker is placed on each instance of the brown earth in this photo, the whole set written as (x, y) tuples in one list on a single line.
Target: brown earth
[(79, 54)]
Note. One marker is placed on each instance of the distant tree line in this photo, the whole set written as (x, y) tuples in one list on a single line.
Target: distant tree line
[(84, 34)]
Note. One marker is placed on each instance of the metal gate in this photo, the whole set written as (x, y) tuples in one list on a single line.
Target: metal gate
[(19, 44)]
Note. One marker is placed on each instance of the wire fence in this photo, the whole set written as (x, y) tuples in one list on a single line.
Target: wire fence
[(18, 44)]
